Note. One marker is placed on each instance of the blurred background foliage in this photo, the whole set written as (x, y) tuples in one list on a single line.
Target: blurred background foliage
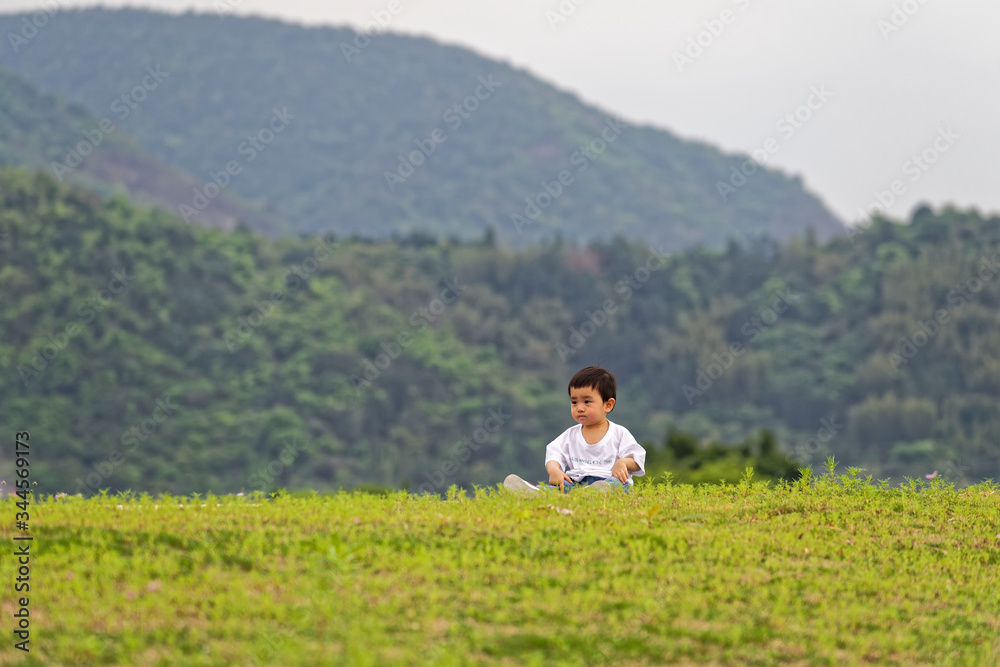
[(253, 344), (352, 122)]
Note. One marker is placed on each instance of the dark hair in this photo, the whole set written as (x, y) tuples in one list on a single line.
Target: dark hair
[(595, 376)]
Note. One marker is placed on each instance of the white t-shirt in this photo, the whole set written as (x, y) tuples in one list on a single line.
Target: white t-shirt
[(579, 459)]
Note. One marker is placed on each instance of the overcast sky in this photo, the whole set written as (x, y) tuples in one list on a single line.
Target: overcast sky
[(886, 78)]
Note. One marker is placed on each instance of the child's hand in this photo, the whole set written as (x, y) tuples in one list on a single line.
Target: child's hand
[(620, 470), (558, 478)]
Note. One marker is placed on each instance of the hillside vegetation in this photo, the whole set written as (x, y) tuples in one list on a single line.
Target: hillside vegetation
[(161, 356), (46, 131), (402, 135), (835, 570)]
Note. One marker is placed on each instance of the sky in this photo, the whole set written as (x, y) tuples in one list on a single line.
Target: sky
[(871, 102)]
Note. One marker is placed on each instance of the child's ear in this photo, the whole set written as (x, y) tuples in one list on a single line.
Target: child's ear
[(610, 404)]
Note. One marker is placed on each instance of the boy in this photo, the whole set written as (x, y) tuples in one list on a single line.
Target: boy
[(596, 452)]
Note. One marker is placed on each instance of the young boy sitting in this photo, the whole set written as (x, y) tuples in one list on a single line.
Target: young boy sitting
[(596, 452)]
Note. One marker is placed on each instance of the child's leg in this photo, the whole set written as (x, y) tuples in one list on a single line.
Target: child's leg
[(605, 483), (566, 487)]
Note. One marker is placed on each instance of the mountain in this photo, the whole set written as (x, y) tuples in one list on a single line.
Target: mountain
[(46, 131), (330, 130), (151, 354)]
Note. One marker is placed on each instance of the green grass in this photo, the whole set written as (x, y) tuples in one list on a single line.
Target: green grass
[(836, 570)]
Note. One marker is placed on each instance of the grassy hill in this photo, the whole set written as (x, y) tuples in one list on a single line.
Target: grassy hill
[(834, 570), (46, 131), (161, 356), (402, 135)]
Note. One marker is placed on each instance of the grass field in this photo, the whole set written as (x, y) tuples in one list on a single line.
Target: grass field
[(834, 570)]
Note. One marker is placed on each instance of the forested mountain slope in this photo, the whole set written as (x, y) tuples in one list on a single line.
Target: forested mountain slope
[(46, 131), (393, 134), (151, 354)]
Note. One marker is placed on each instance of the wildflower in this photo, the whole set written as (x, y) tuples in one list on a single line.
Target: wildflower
[(932, 475), (61, 495), (356, 521), (153, 586)]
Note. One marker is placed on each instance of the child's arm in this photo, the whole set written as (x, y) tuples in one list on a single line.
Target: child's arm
[(556, 475), (622, 467)]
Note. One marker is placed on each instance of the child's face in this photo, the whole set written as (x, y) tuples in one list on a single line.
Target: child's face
[(587, 407)]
